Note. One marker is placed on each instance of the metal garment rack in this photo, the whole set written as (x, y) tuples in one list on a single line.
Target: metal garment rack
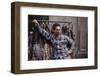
[(54, 21)]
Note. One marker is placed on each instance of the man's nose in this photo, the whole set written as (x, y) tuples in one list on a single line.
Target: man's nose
[(58, 31)]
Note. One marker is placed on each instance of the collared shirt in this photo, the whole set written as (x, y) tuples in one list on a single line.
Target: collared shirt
[(60, 44)]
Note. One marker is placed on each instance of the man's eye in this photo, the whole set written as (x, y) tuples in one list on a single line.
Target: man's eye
[(58, 29)]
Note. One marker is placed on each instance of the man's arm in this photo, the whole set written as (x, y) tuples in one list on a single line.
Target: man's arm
[(42, 31), (71, 43)]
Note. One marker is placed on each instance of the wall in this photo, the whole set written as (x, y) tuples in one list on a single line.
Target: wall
[(5, 36), (83, 36)]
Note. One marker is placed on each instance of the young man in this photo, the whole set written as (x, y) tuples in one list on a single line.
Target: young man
[(59, 41)]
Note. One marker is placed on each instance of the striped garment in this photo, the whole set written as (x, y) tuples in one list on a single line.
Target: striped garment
[(61, 44)]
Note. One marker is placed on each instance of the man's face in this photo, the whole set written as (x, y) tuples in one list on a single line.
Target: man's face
[(57, 30)]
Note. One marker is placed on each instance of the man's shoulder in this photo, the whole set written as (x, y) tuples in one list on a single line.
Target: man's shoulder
[(64, 36)]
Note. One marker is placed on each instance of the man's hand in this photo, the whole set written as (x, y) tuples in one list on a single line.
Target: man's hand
[(70, 51), (35, 21)]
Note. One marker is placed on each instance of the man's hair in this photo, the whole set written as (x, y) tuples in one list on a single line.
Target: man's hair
[(54, 26)]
